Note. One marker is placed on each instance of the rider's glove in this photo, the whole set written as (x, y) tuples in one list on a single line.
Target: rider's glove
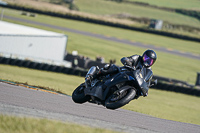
[(125, 61), (128, 63)]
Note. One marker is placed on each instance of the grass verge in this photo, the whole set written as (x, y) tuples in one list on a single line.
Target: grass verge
[(11, 124), (184, 4), (101, 9), (110, 8), (161, 104), (167, 65), (146, 38)]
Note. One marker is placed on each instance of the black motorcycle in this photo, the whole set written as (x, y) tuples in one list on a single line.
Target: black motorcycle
[(113, 91)]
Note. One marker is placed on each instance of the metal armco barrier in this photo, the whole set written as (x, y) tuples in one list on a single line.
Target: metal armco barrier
[(169, 86)]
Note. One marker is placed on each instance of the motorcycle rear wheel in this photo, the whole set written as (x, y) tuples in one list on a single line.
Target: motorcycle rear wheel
[(114, 101), (78, 96)]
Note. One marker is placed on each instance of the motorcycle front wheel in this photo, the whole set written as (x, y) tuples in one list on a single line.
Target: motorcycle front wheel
[(117, 100), (78, 96)]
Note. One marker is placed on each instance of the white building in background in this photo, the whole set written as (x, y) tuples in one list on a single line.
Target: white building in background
[(31, 43)]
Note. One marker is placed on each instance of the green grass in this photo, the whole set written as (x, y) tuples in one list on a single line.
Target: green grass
[(183, 4), (167, 65), (103, 9), (161, 41), (11, 124), (168, 105), (59, 82), (161, 104), (109, 8)]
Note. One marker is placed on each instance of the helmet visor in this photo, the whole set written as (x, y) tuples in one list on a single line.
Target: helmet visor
[(148, 60)]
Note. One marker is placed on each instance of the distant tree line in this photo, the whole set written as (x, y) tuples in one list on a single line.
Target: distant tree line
[(61, 1), (195, 14), (71, 4), (191, 13)]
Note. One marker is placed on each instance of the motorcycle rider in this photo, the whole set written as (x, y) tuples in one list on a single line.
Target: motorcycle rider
[(136, 61)]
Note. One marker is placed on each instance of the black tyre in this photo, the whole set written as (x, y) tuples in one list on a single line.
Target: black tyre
[(117, 100), (78, 96)]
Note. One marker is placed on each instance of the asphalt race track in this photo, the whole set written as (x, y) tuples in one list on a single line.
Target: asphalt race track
[(114, 39), (16, 100)]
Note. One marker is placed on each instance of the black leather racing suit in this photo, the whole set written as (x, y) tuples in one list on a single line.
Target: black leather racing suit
[(133, 61), (137, 62), (108, 69)]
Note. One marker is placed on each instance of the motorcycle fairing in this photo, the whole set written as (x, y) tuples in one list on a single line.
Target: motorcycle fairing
[(95, 91), (98, 91), (142, 85)]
